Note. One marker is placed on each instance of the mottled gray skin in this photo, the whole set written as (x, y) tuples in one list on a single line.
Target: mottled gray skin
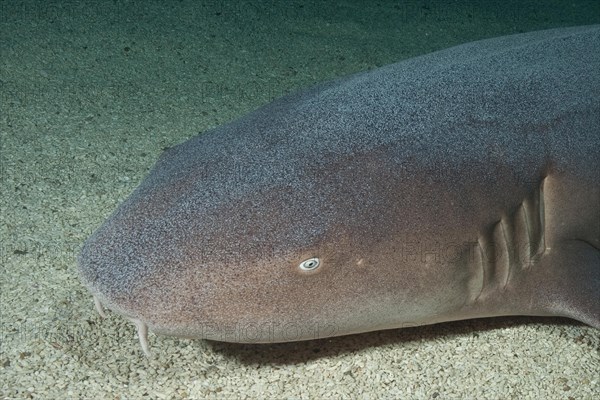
[(460, 184)]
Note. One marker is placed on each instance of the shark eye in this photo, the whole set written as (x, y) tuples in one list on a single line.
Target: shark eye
[(310, 264)]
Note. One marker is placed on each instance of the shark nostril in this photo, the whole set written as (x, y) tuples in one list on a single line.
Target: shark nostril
[(310, 264)]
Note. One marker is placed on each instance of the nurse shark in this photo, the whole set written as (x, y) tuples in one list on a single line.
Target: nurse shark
[(460, 184)]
